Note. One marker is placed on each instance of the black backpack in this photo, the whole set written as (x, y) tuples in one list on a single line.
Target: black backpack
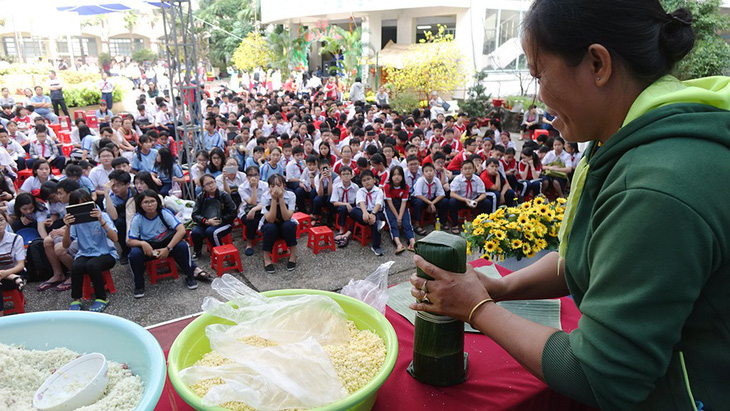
[(37, 267)]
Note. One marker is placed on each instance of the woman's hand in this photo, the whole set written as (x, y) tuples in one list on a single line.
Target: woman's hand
[(147, 249), (68, 219), (96, 213), (450, 294)]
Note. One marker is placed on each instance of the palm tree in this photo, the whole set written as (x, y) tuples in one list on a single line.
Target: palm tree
[(348, 46), (288, 53)]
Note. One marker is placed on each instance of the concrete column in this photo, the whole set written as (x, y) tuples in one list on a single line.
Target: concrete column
[(371, 38), (406, 28)]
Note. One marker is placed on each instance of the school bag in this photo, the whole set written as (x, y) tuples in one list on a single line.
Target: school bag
[(37, 267)]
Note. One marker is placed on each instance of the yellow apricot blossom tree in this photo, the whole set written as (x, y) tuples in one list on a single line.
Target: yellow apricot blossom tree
[(434, 65), (252, 52)]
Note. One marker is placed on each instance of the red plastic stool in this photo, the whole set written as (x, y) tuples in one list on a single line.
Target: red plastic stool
[(108, 284), (279, 251), (22, 176), (258, 237), (67, 149), (226, 240), (79, 113), (237, 223), (540, 132), (223, 254), (65, 122), (64, 137), (154, 266), (427, 218), (17, 299), (55, 127), (362, 233), (304, 222), (321, 238), (466, 214), (348, 223)]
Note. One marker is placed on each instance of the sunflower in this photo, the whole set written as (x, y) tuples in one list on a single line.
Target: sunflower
[(538, 201), (479, 219), (479, 231), (525, 206), (531, 253), (526, 248), (550, 214), (500, 235), (487, 257), (528, 236), (542, 210), (541, 244), (516, 244), (553, 231), (522, 219), (512, 226), (490, 247), (561, 200)]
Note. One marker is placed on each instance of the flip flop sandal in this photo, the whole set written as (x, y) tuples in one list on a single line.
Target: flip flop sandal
[(63, 287), (48, 284), (400, 250), (411, 248), (346, 241), (455, 230), (99, 305), (203, 276), (75, 306), (420, 231)]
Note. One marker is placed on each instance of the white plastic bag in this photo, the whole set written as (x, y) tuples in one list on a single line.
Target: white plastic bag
[(373, 290), (296, 373)]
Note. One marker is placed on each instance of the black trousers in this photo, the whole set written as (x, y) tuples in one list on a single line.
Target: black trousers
[(62, 103), (94, 267)]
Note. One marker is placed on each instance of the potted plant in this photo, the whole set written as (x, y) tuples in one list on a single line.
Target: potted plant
[(516, 236)]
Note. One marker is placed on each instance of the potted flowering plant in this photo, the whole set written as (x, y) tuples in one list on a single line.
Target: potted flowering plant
[(516, 232)]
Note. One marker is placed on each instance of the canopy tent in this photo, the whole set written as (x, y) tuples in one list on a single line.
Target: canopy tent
[(93, 7)]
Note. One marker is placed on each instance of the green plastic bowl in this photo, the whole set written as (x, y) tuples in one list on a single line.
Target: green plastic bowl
[(192, 344)]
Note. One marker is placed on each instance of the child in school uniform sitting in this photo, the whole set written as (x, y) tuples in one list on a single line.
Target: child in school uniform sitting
[(467, 191), (344, 194), (45, 148), (429, 193), (396, 210), (497, 186), (369, 210), (278, 210), (249, 212), (323, 184)]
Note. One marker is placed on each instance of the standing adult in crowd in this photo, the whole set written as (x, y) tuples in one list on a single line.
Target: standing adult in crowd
[(107, 89), (55, 84), (644, 249)]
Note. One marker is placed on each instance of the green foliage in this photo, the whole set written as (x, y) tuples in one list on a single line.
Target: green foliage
[(288, 53), (104, 58), (142, 55), (711, 55), (478, 102), (349, 45), (404, 101), (77, 77), (233, 16), (19, 68), (130, 20), (88, 94)]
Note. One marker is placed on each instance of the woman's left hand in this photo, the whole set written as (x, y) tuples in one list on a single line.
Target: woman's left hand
[(96, 213), (450, 294)]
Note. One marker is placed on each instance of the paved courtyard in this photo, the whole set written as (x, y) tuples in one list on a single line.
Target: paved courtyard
[(170, 299)]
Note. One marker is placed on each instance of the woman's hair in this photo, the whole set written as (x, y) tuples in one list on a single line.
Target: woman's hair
[(216, 151), (528, 152), (166, 161), (147, 193), (142, 139), (24, 199), (641, 34), (78, 196), (275, 177), (83, 131), (146, 177), (398, 170), (38, 163), (324, 144), (204, 176), (202, 153)]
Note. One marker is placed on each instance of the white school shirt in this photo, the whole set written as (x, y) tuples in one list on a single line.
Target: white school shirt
[(14, 149), (236, 182), (344, 195), (429, 190), (460, 186), (304, 178), (99, 176), (552, 157), (375, 197), (335, 179), (411, 179), (294, 170), (290, 199), (11, 246)]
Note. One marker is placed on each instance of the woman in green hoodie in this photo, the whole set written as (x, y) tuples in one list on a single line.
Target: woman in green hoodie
[(645, 245)]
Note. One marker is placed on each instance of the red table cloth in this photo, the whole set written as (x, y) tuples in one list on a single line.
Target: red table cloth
[(495, 381)]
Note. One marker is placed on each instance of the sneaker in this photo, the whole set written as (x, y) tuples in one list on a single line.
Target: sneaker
[(378, 251), (249, 251), (196, 255), (124, 260), (270, 269), (191, 283), (291, 265), (138, 292), (380, 226)]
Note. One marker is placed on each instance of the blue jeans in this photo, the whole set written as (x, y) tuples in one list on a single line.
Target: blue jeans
[(251, 226), (214, 234), (393, 221), (180, 253), (319, 202), (108, 98), (356, 215), (533, 186)]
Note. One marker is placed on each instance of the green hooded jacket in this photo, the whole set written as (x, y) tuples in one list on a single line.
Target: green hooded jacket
[(648, 258)]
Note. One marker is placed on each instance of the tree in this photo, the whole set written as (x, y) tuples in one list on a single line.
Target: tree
[(142, 55), (434, 65), (288, 53), (711, 54), (478, 101), (347, 47), (225, 23), (252, 52)]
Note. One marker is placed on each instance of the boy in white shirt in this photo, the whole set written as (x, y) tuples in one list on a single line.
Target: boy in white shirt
[(344, 194), (467, 191), (13, 148), (556, 165), (428, 192), (294, 171), (369, 210)]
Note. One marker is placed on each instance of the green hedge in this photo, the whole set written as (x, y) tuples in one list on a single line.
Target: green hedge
[(87, 94)]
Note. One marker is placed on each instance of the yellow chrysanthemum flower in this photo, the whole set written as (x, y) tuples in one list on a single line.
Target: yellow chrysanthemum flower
[(516, 244)]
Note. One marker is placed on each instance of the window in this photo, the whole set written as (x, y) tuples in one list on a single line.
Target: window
[(82, 46), (490, 31), (509, 25), (120, 47), (9, 45)]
